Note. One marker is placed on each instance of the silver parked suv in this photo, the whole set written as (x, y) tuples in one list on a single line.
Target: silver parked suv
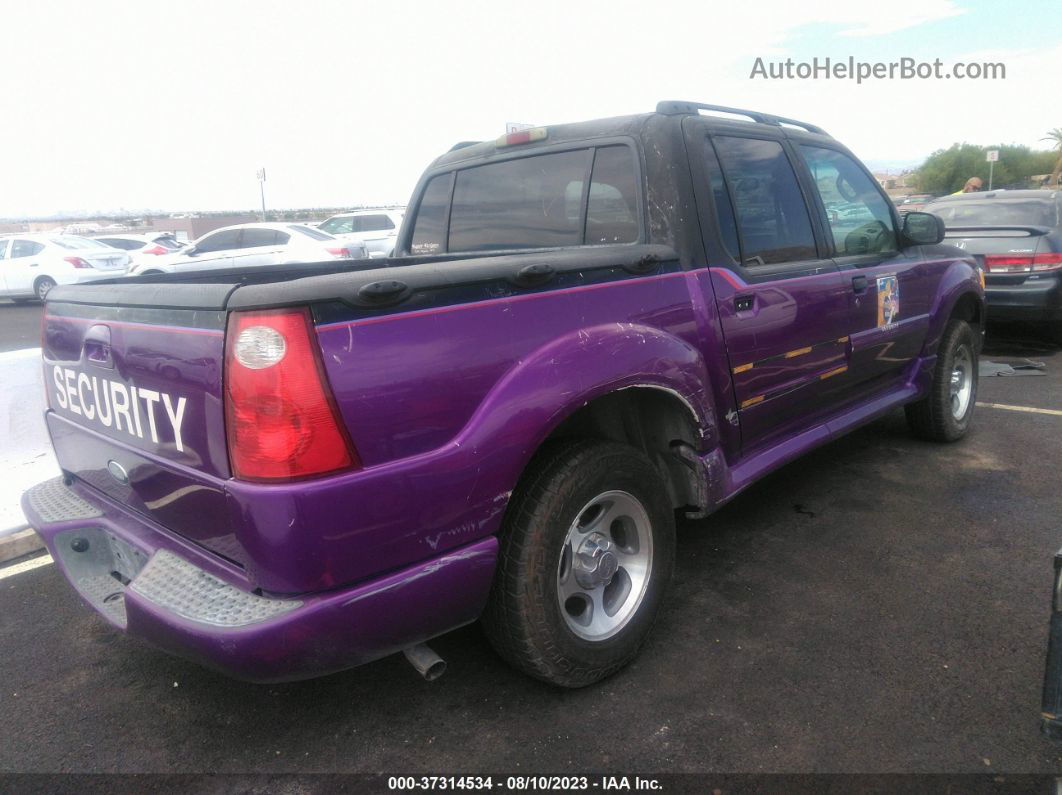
[(378, 229)]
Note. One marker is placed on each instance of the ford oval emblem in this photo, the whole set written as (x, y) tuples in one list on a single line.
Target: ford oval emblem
[(118, 472)]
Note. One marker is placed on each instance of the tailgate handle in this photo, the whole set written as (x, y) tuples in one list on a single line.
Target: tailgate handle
[(859, 283), (98, 353), (97, 346)]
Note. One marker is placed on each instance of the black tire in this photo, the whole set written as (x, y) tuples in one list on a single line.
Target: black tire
[(523, 618), (933, 418), (42, 286)]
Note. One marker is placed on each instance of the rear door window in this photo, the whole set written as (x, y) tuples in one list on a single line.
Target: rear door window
[(612, 208), (429, 233), (255, 238), (25, 248), (219, 241), (518, 204), (773, 221)]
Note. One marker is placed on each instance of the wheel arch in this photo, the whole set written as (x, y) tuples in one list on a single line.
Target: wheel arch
[(654, 419), (623, 382)]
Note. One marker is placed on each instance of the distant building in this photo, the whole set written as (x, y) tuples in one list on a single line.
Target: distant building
[(897, 184)]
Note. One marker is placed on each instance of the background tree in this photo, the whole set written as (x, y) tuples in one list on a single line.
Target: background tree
[(1055, 137), (946, 170)]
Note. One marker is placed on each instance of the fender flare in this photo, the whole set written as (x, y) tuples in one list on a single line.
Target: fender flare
[(960, 279), (546, 387)]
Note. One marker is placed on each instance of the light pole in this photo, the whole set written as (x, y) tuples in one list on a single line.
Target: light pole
[(261, 189)]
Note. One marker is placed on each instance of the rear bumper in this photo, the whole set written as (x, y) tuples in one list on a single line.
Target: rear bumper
[(190, 603), (1037, 300)]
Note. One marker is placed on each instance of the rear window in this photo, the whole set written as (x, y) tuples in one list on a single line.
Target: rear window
[(309, 231), (122, 243), (524, 203), (539, 201), (73, 242), (993, 212)]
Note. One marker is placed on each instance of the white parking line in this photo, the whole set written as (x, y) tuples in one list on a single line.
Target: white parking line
[(1029, 409), (26, 565)]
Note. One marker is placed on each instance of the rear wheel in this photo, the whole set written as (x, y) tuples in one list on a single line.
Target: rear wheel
[(944, 414), (585, 557), (43, 286)]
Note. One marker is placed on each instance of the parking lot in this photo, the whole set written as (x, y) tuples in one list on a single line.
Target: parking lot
[(880, 606)]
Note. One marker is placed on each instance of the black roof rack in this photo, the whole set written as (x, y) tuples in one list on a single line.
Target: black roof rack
[(463, 144), (671, 107)]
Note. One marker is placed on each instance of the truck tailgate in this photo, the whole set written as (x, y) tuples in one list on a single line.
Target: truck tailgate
[(135, 410)]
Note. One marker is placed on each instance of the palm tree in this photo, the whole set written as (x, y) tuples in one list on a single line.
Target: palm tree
[(1055, 136)]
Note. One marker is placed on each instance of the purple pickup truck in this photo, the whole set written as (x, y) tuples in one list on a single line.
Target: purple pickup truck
[(586, 330)]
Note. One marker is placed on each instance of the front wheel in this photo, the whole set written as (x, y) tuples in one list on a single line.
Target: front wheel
[(944, 414), (585, 556)]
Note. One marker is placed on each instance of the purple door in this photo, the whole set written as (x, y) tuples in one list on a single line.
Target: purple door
[(784, 306)]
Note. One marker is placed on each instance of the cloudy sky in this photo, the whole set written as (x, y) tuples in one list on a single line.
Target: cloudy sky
[(175, 105)]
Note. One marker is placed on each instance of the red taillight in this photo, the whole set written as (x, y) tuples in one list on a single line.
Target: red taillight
[(342, 253), (281, 420), (155, 250), (1023, 263), (77, 262)]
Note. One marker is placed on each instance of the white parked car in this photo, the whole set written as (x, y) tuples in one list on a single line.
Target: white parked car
[(31, 265), (142, 248), (247, 245), (377, 229)]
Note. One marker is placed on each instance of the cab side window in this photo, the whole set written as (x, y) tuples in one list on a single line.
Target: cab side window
[(3, 249), (859, 217), (772, 217)]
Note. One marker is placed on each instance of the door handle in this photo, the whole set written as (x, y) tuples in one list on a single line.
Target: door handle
[(743, 303), (33, 264), (859, 284)]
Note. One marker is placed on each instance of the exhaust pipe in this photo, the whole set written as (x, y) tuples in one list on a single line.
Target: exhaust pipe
[(428, 664)]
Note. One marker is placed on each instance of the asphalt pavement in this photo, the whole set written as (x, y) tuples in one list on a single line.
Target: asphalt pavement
[(879, 606), (20, 325)]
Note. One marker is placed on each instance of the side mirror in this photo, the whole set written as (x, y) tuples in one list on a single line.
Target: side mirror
[(190, 251), (922, 229)]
